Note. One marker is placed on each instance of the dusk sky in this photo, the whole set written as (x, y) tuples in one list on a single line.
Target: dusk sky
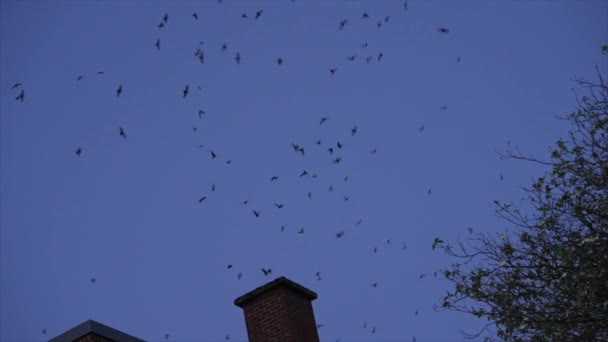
[(436, 107)]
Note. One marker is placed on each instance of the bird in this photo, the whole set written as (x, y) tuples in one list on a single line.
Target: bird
[(21, 96), (364, 15), (330, 150), (309, 195), (345, 178), (470, 230), (319, 326), (351, 58), (93, 280), (100, 73), (318, 274), (345, 199), (388, 242), (339, 234), (212, 187), (416, 313), (337, 160), (333, 71), (364, 325), (78, 151), (375, 284), (274, 178), (338, 144), (238, 58), (202, 199), (458, 59), (227, 336), (359, 222), (430, 190), (279, 205), (444, 107), (245, 202), (80, 77), (167, 336), (201, 113), (256, 213), (422, 276), (166, 18), (267, 272), (405, 5), (379, 24), (282, 228), (380, 56), (224, 47), (373, 330), (353, 131), (119, 91), (157, 44), (16, 85), (364, 45), (387, 18), (44, 331), (279, 61), (331, 187), (122, 133), (258, 14), (403, 246), (229, 266), (239, 276), (375, 249), (213, 155), (304, 173), (318, 142), (368, 59), (323, 120), (161, 25), (244, 16), (301, 231), (343, 23), (185, 91), (421, 129), (373, 151), (195, 15), (443, 30), (501, 176)]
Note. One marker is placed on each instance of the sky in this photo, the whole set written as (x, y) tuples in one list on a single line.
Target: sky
[(435, 107)]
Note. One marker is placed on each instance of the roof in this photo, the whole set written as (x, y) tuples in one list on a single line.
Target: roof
[(281, 281), (93, 327)]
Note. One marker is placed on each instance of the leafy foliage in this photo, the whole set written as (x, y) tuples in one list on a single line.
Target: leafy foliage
[(547, 279)]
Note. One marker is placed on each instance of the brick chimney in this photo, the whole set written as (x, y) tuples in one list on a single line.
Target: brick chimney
[(280, 311)]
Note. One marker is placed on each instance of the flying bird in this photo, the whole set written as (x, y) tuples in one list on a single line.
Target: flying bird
[(339, 144), (458, 59), (379, 24), (319, 326), (279, 61), (213, 155), (351, 58), (330, 150), (443, 107), (167, 336), (323, 119), (165, 18), (16, 85), (185, 91), (93, 280), (318, 274), (21, 96), (501, 176), (244, 16), (318, 142), (238, 58), (239, 276), (213, 187), (157, 44), (78, 151), (345, 199), (387, 18), (353, 130), (343, 23), (201, 113), (202, 199), (256, 213), (229, 266), (301, 231), (309, 195), (245, 202), (100, 73), (375, 284), (331, 188), (368, 59), (422, 276), (304, 173), (359, 222), (279, 205), (380, 56), (364, 45), (161, 25), (80, 77), (443, 30), (333, 71), (405, 5), (337, 160), (274, 178), (373, 330), (430, 190), (339, 234), (119, 91), (267, 272), (122, 133), (364, 15), (421, 129), (224, 47), (282, 228), (258, 14), (195, 15)]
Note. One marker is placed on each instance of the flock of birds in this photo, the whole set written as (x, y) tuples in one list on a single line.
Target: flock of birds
[(333, 149)]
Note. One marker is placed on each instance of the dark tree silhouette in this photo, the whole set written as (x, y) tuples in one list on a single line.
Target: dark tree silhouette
[(547, 279)]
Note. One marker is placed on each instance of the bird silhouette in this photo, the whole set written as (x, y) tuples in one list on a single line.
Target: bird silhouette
[(157, 44), (309, 195), (405, 5), (274, 178), (258, 14), (212, 187), (501, 176), (330, 150), (122, 133), (279, 205), (353, 131), (201, 113), (279, 61), (351, 58), (267, 272), (430, 191), (333, 71), (245, 202), (185, 91), (458, 59), (379, 24), (339, 234), (244, 16), (343, 23), (301, 231), (387, 18), (21, 96), (358, 222), (373, 330), (202, 199), (318, 142), (166, 18), (443, 107), (421, 129), (213, 155), (282, 228), (346, 178), (239, 276), (100, 73), (337, 160), (345, 199), (78, 151), (93, 280), (470, 230), (166, 336), (364, 325), (368, 59), (374, 151), (16, 85), (375, 249), (318, 274), (422, 276), (375, 284), (380, 56), (161, 25), (304, 173), (331, 188), (364, 15), (119, 91), (80, 77), (443, 30), (364, 45), (227, 336), (195, 15), (338, 144), (319, 326), (224, 47), (323, 120), (44, 331), (256, 213), (403, 246)]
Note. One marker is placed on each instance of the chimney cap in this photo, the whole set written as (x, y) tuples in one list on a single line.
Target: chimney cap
[(93, 327), (281, 281)]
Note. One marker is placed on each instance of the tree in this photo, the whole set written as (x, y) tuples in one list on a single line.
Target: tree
[(547, 278)]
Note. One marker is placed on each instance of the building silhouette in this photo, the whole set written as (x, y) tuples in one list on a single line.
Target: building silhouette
[(279, 311)]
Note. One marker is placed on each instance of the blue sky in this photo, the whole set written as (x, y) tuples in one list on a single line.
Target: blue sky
[(127, 211)]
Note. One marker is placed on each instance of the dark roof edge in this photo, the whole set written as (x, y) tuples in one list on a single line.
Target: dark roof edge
[(91, 326), (280, 281)]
